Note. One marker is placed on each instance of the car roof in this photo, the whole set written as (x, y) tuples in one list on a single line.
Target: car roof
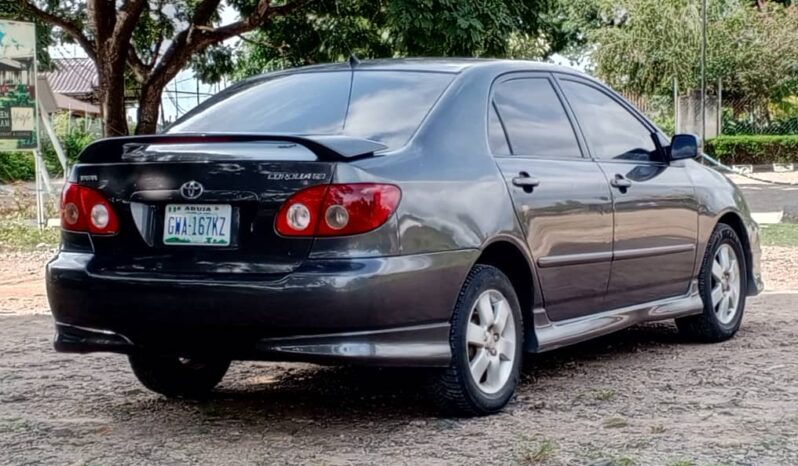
[(440, 65)]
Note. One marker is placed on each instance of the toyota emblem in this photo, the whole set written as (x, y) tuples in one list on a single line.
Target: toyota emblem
[(191, 189)]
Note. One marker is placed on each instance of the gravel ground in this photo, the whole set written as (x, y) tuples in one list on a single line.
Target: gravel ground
[(642, 396)]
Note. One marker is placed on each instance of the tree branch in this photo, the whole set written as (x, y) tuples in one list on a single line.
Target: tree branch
[(198, 36), (137, 66), (126, 19), (67, 26), (262, 12)]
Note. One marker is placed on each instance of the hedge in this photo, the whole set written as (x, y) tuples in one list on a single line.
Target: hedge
[(18, 166), (753, 149)]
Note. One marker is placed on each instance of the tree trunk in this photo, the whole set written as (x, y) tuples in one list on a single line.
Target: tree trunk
[(149, 105), (111, 94)]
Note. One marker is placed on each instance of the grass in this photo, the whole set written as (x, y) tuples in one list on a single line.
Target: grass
[(780, 234), (537, 452), (18, 230), (604, 394), (616, 422), (681, 463), (17, 235)]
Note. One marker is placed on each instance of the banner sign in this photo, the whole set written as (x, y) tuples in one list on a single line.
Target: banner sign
[(18, 114)]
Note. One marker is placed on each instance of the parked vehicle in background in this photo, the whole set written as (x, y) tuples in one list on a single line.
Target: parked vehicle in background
[(452, 214)]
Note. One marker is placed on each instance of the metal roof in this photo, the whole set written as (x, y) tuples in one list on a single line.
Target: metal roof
[(73, 76)]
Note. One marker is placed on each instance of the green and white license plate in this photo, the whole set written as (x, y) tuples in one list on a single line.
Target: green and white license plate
[(197, 225)]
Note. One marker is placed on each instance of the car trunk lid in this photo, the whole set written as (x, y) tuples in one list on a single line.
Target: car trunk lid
[(159, 186)]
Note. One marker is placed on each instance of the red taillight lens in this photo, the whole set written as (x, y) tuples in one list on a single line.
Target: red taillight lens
[(338, 209), (86, 210)]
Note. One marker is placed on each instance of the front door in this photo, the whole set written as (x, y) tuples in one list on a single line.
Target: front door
[(562, 198), (656, 213)]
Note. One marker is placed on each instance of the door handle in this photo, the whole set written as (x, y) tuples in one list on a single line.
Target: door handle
[(528, 183), (621, 182)]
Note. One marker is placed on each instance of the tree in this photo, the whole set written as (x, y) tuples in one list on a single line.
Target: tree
[(641, 45), (327, 30), (146, 42), (143, 44)]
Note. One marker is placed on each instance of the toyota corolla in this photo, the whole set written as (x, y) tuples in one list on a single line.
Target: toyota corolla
[(448, 214)]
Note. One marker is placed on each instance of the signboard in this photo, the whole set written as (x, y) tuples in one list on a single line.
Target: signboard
[(18, 113)]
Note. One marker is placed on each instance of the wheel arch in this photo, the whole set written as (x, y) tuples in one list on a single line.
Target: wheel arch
[(512, 259), (735, 221)]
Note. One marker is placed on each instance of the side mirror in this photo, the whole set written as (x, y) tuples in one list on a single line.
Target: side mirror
[(685, 146)]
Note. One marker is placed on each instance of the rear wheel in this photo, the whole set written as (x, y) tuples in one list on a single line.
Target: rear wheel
[(177, 377), (486, 341), (722, 286)]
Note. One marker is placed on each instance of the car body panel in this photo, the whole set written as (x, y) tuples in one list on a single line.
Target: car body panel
[(374, 297), (567, 222)]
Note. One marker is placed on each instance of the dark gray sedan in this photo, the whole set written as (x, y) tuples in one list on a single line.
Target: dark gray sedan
[(452, 214)]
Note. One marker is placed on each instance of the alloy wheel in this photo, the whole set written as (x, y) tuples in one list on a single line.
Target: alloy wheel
[(726, 284), (491, 340)]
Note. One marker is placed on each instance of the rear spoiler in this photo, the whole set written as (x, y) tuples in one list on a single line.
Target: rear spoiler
[(333, 148)]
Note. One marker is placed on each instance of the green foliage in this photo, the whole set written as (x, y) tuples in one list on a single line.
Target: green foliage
[(733, 126), (754, 150), (328, 31), (19, 166), (16, 166), (641, 45)]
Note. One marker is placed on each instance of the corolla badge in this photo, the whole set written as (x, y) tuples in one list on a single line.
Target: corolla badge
[(191, 189)]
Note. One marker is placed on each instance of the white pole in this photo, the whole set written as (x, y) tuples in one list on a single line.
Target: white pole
[(703, 70), (676, 123), (48, 128), (39, 192)]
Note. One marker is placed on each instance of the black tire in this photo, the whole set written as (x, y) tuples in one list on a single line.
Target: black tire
[(707, 327), (454, 389), (176, 377)]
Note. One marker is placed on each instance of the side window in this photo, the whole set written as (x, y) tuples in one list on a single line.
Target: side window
[(534, 118), (497, 138), (610, 130)]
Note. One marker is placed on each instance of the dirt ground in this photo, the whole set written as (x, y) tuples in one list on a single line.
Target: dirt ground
[(642, 397)]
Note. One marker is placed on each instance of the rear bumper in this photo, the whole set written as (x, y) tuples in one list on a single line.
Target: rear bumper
[(384, 311)]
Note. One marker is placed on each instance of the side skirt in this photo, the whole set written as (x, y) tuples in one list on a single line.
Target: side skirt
[(552, 335)]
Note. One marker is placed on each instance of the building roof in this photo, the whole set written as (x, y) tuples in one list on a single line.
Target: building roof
[(8, 63), (73, 76), (75, 106)]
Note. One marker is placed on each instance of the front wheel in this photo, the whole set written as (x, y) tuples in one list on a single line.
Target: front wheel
[(722, 285), (486, 340), (177, 377)]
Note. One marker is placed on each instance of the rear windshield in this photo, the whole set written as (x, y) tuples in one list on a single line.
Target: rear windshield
[(386, 106)]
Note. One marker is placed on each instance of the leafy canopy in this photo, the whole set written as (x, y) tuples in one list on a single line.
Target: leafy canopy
[(641, 45), (327, 30)]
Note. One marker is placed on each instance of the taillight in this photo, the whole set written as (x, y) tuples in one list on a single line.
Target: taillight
[(86, 210), (337, 209)]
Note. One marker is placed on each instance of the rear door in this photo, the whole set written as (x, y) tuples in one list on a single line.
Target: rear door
[(561, 198), (656, 212)]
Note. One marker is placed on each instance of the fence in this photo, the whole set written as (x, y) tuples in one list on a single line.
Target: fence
[(752, 116), (724, 115)]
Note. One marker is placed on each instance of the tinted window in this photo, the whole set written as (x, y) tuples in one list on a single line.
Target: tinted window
[(380, 105), (611, 131), (497, 138), (534, 118)]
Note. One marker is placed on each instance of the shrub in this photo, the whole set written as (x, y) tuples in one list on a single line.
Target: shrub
[(18, 166), (745, 127), (753, 150)]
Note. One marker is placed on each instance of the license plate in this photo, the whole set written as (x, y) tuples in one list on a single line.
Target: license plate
[(197, 225)]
